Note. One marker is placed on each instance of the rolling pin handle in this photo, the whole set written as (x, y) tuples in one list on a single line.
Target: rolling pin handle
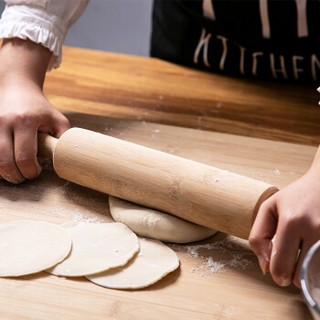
[(46, 145)]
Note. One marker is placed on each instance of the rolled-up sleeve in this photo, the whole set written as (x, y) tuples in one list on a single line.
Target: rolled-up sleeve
[(42, 21)]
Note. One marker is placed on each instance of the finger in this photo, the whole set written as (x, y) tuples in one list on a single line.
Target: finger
[(296, 276), (57, 125), (25, 146), (263, 231), (8, 168), (62, 125), (285, 251)]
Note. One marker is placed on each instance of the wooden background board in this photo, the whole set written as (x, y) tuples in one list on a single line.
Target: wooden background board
[(208, 118), (224, 282)]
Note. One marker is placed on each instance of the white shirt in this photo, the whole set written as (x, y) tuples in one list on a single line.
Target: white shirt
[(41, 21)]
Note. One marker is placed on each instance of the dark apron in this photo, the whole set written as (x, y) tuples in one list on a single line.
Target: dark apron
[(233, 42)]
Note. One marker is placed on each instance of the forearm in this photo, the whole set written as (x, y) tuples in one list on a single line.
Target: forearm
[(23, 63), (43, 22)]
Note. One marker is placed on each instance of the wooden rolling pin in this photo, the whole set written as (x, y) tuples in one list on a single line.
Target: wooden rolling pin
[(196, 192)]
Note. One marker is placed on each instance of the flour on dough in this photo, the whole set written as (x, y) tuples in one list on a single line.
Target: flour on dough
[(97, 247), (28, 247), (154, 261), (154, 224)]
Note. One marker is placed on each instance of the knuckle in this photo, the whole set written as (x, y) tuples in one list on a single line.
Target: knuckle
[(254, 241), (25, 118), (264, 205), (65, 122), (293, 219)]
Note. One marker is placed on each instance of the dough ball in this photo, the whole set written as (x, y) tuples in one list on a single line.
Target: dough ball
[(154, 261), (97, 247), (154, 224), (28, 247)]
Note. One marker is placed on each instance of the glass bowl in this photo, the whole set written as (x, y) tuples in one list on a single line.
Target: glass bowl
[(310, 279)]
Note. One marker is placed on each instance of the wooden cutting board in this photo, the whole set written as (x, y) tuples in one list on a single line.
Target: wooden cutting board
[(217, 279)]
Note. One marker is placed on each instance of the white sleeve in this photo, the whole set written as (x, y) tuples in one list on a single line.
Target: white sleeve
[(41, 21)]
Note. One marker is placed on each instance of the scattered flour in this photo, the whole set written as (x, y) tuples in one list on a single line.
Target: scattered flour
[(76, 215), (219, 256), (212, 266), (67, 200), (276, 171)]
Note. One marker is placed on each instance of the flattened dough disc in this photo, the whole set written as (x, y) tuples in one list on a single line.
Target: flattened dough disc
[(154, 224), (28, 247), (154, 261), (97, 247)]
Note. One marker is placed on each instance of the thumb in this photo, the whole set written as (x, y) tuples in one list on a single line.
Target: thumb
[(60, 125)]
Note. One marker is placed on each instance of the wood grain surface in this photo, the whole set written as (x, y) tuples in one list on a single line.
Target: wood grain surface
[(135, 99), (131, 87)]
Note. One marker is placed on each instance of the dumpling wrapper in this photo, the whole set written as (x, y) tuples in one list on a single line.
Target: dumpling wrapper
[(155, 224), (153, 262), (28, 247), (97, 247)]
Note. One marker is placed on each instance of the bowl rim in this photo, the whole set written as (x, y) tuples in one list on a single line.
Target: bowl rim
[(304, 284)]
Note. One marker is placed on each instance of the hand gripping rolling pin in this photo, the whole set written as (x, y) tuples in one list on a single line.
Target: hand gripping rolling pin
[(196, 192)]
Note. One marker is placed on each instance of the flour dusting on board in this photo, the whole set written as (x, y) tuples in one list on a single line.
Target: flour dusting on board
[(67, 201), (73, 200), (219, 256), (75, 214)]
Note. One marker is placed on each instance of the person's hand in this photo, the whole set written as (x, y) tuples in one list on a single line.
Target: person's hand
[(292, 215), (24, 111)]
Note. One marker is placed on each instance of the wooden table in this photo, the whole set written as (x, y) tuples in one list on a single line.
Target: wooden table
[(262, 130)]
